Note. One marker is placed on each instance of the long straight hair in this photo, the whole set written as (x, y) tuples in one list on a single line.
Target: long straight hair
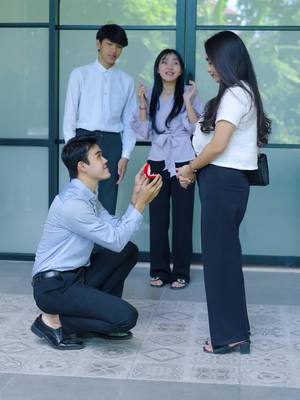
[(229, 55), (158, 88)]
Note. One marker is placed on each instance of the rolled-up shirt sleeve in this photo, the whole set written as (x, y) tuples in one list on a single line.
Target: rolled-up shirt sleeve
[(111, 233), (141, 128)]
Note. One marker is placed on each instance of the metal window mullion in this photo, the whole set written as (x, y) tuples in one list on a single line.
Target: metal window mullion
[(190, 36), (53, 112)]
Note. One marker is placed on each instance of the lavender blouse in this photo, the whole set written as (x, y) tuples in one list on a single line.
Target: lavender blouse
[(174, 145)]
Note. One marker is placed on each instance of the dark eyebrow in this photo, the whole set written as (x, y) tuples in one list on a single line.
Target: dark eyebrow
[(99, 152)]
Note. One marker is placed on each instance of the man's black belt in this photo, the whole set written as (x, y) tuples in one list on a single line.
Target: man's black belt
[(52, 274), (46, 274)]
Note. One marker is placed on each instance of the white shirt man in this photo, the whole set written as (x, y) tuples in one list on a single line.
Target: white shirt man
[(101, 99)]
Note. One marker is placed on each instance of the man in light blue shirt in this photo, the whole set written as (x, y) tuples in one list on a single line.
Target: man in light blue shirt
[(77, 292), (100, 99)]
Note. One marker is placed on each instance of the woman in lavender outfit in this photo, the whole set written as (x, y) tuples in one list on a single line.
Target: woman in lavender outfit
[(167, 116)]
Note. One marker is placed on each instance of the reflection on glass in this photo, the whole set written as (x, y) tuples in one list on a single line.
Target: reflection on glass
[(125, 12), (276, 58), (24, 83), (24, 200), (24, 11), (79, 48), (245, 12)]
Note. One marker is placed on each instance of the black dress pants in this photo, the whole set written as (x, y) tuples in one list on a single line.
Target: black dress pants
[(182, 226), (111, 146), (88, 299), (224, 195)]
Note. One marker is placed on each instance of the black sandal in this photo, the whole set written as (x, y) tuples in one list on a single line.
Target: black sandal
[(182, 283), (155, 279), (243, 347)]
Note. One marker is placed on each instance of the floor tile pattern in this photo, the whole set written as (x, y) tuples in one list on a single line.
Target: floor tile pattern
[(167, 346)]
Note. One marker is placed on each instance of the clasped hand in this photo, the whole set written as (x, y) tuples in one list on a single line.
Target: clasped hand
[(185, 175)]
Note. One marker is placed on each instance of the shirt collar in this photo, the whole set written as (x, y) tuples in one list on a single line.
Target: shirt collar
[(100, 67), (86, 192)]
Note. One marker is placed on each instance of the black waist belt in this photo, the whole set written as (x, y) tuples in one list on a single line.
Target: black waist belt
[(43, 275), (52, 274)]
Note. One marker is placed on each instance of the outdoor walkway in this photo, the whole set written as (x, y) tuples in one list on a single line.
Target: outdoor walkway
[(164, 360)]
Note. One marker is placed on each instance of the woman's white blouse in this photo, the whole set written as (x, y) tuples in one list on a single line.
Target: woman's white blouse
[(236, 107)]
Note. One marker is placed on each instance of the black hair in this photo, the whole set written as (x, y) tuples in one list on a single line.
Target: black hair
[(114, 33), (158, 88), (75, 150), (229, 56)]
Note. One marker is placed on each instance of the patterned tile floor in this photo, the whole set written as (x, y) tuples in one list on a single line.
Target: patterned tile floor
[(167, 346)]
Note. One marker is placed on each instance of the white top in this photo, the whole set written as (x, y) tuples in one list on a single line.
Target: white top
[(236, 107), (100, 99)]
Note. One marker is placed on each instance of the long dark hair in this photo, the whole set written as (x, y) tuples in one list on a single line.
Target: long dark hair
[(229, 55), (158, 88)]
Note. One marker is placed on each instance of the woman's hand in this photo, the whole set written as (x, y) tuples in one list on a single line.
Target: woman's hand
[(190, 92), (142, 95), (185, 175)]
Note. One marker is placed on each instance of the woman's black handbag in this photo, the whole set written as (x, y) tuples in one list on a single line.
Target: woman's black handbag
[(259, 176)]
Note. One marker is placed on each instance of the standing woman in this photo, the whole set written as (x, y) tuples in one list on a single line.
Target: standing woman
[(167, 115), (233, 126)]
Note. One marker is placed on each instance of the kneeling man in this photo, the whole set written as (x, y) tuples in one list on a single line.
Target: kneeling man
[(80, 292)]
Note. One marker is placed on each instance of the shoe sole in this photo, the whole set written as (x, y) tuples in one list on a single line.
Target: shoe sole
[(108, 337), (41, 335)]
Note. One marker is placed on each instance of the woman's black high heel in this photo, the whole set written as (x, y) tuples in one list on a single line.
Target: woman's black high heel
[(242, 347), (207, 341)]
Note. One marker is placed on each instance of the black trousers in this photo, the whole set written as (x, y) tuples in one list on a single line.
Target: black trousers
[(88, 299), (111, 146), (224, 195), (182, 226)]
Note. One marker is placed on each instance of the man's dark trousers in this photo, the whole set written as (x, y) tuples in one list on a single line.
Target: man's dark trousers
[(111, 146), (88, 299)]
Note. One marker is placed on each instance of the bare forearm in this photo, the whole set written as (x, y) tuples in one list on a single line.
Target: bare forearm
[(192, 116), (143, 113)]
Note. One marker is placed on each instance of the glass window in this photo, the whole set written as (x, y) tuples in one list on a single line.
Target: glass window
[(276, 59), (245, 12), (24, 83), (24, 200), (24, 11), (125, 12), (79, 47), (272, 222)]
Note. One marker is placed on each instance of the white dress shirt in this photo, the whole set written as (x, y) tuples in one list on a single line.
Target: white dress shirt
[(100, 99), (76, 220)]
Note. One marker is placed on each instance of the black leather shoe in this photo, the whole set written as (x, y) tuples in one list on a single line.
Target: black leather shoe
[(55, 337)]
